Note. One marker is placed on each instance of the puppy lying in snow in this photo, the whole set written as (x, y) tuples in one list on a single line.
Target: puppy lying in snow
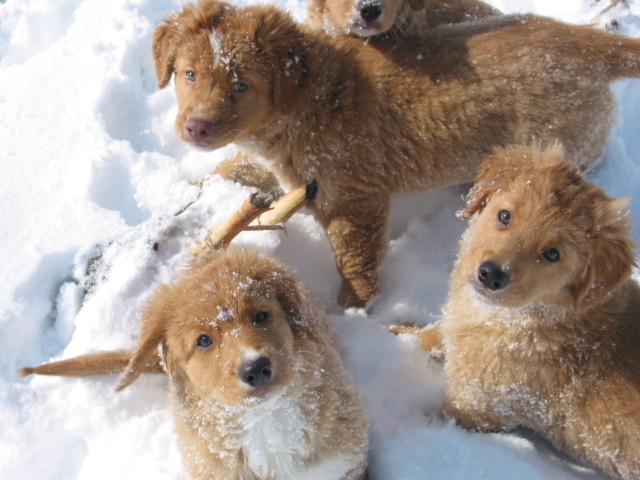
[(256, 380), (399, 18), (366, 123), (542, 325)]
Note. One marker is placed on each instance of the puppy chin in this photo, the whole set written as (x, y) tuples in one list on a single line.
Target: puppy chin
[(260, 395), (357, 26), (488, 297)]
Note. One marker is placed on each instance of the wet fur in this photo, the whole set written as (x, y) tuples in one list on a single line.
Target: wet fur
[(307, 422), (556, 350), (367, 123)]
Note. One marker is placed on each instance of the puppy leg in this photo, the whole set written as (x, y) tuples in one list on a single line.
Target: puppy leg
[(242, 169), (359, 237), (430, 337)]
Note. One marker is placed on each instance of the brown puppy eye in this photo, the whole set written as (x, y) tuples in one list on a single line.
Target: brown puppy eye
[(204, 342), (552, 255), (190, 76), (261, 317), (504, 217)]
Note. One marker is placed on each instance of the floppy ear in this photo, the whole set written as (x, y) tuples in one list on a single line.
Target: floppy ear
[(495, 173), (611, 259), (164, 50), (417, 4), (153, 334), (278, 34)]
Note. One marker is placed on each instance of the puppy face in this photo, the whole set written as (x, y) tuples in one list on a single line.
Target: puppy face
[(235, 71), (230, 329), (544, 235), (362, 18), (236, 349)]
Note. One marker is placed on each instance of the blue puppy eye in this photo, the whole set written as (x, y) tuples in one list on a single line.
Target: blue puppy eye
[(204, 342), (261, 317), (190, 76), (552, 255), (241, 87)]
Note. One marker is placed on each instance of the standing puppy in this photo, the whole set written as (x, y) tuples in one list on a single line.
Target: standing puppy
[(368, 123), (256, 380), (542, 325)]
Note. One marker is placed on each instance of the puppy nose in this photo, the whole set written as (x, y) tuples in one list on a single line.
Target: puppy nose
[(257, 373), (199, 129), (370, 10), (492, 276)]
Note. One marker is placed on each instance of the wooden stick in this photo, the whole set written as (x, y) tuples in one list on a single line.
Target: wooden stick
[(286, 206), (221, 235), (257, 206)]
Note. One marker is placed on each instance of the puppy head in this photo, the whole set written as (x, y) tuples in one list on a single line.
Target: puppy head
[(362, 18), (543, 235), (235, 69), (230, 329)]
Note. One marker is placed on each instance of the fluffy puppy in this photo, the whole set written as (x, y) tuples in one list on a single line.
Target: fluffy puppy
[(367, 123), (256, 380), (542, 325), (397, 18)]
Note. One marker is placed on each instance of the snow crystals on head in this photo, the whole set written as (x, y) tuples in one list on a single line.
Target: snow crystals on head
[(220, 58), (224, 315)]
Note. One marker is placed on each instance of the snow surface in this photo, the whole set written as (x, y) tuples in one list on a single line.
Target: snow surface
[(91, 175)]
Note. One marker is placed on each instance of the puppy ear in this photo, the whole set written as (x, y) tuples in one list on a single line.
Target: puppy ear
[(611, 259), (288, 295), (153, 334), (495, 173), (278, 34), (417, 4), (164, 50)]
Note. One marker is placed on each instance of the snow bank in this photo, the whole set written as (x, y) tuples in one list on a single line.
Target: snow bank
[(90, 180)]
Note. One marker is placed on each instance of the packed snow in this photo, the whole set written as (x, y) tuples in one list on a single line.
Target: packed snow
[(91, 179)]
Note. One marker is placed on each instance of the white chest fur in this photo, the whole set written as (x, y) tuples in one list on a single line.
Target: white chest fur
[(279, 441)]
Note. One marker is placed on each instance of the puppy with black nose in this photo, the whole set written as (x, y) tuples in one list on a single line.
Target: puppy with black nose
[(256, 380), (542, 324)]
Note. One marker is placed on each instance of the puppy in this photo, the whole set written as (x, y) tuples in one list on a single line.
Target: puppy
[(542, 325), (367, 123), (256, 380), (397, 18)]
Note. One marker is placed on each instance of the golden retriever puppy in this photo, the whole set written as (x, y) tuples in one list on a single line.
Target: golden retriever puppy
[(366, 123), (366, 18), (256, 379), (542, 325)]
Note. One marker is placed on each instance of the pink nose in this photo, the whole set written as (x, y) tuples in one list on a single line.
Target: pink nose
[(199, 129)]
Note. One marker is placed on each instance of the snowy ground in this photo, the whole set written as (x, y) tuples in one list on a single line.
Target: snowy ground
[(91, 175)]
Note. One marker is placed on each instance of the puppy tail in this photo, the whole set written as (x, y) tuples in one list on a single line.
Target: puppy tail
[(620, 54), (99, 363)]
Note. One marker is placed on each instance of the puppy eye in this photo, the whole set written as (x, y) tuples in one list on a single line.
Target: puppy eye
[(261, 317), (504, 217), (552, 255), (240, 87), (204, 342), (190, 76)]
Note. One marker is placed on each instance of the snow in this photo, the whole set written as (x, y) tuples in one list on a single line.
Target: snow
[(91, 176)]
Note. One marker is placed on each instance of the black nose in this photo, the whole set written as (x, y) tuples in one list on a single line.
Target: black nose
[(257, 373), (370, 11), (492, 276)]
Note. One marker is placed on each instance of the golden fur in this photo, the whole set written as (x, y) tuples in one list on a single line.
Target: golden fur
[(398, 18), (554, 345), (301, 418), (367, 123)]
